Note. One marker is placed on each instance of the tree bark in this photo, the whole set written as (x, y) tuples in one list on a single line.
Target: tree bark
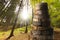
[(26, 29), (41, 28), (11, 34)]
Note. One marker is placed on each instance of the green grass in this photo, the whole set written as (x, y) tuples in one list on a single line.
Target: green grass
[(56, 29), (17, 31)]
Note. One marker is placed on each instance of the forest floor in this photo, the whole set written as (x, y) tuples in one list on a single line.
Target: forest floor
[(56, 33), (23, 36)]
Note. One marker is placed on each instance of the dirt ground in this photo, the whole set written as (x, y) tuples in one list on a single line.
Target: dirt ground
[(56, 35), (23, 36)]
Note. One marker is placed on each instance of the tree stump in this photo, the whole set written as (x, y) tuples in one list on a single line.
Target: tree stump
[(41, 28)]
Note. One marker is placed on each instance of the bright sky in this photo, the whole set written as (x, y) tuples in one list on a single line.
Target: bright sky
[(26, 12)]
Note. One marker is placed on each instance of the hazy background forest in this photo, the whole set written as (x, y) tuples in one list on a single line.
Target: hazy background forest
[(9, 10)]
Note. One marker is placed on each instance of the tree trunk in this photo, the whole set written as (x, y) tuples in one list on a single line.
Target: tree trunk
[(26, 29), (41, 29), (11, 34)]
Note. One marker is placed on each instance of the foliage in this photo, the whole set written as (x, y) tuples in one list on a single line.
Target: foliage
[(9, 15), (7, 11)]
